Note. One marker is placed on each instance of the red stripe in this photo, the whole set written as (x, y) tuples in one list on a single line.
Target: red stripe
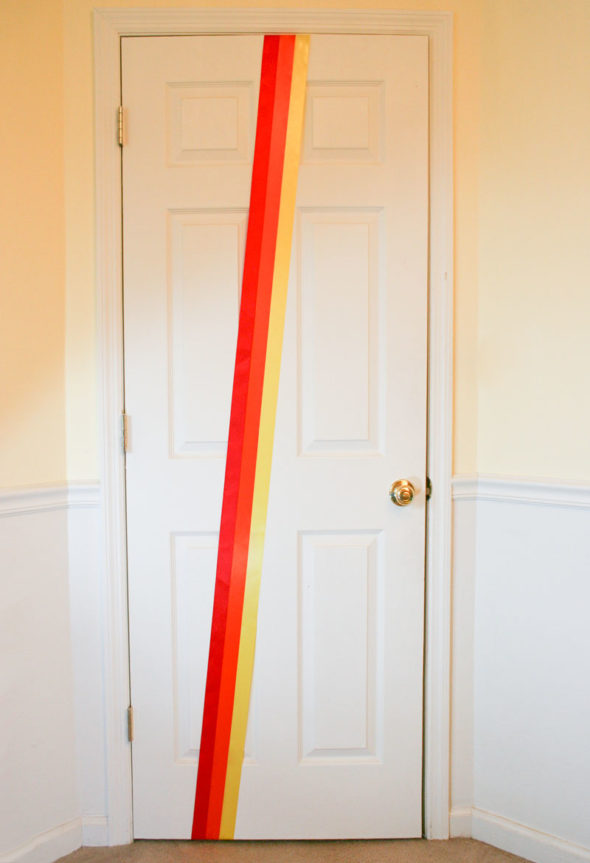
[(249, 454), (232, 553)]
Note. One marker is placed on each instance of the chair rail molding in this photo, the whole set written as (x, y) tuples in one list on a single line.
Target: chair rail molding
[(109, 26), (529, 490), (35, 499)]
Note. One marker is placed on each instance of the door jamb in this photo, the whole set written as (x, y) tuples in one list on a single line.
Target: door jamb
[(109, 26)]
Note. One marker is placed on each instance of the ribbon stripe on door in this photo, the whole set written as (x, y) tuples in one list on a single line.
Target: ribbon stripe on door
[(252, 422)]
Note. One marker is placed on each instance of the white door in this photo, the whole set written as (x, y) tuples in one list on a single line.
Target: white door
[(334, 746)]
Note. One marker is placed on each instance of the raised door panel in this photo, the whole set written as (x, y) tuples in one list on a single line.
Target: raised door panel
[(206, 261), (341, 646), (340, 288)]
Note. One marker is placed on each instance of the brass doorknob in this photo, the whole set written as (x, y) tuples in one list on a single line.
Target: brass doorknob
[(402, 492)]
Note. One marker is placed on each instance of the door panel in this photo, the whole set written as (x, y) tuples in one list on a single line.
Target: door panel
[(206, 248), (339, 403), (335, 729)]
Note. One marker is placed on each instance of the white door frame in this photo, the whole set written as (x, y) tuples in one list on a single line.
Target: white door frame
[(109, 26)]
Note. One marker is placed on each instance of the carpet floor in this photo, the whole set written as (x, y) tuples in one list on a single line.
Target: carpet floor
[(352, 851)]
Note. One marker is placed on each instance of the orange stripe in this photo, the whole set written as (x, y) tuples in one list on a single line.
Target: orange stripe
[(243, 526), (250, 443), (266, 436), (242, 387)]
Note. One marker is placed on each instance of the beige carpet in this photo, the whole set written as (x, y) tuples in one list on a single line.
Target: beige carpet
[(354, 851)]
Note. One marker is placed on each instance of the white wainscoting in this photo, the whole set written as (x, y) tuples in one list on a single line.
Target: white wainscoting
[(520, 669), (39, 812), (52, 794), (87, 614), (529, 592), (462, 601)]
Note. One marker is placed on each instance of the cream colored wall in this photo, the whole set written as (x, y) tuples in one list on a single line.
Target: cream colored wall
[(32, 327), (81, 342), (522, 171), (534, 240)]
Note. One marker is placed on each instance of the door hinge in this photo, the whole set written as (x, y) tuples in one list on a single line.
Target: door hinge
[(121, 125), (130, 726), (428, 488), (125, 431)]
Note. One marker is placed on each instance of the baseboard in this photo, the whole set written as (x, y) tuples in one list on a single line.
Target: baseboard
[(48, 846), (95, 830), (90, 831), (460, 822), (525, 841)]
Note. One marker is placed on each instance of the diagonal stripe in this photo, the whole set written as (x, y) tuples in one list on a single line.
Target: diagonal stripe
[(243, 444), (241, 387), (252, 423), (266, 437)]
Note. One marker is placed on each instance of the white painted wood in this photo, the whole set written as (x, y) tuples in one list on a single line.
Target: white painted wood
[(464, 567), (38, 754), (541, 492), (338, 725), (107, 71), (519, 752), (22, 501), (109, 26), (437, 662), (194, 558), (47, 846), (129, 21), (521, 550), (95, 831), (343, 124), (87, 617), (84, 495), (532, 664), (460, 821), (206, 248), (520, 839), (342, 266), (340, 719), (79, 504)]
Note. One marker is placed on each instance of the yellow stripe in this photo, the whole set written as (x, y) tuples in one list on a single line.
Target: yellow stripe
[(265, 440)]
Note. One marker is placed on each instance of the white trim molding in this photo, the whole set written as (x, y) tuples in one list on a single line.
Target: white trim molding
[(461, 821), (28, 501), (541, 492), (109, 26), (48, 846), (31, 500), (83, 495), (212, 20), (525, 841), (95, 830)]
